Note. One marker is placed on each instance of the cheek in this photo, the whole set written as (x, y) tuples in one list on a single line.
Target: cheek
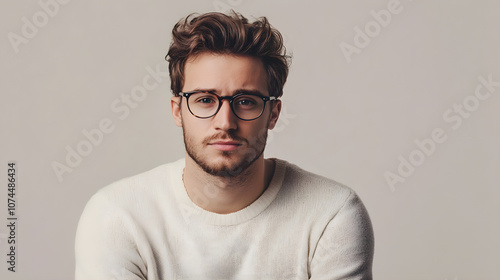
[(257, 131), (186, 117), (265, 121), (196, 128)]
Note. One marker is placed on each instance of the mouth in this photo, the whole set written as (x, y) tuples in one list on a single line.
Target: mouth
[(225, 145)]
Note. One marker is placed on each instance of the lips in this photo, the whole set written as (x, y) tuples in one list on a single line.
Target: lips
[(223, 145)]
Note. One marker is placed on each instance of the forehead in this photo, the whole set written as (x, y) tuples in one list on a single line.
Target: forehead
[(224, 73)]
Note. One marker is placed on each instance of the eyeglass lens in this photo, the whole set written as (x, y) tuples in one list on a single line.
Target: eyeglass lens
[(246, 106)]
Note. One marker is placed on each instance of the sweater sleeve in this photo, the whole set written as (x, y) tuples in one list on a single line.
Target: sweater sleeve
[(345, 249), (104, 243)]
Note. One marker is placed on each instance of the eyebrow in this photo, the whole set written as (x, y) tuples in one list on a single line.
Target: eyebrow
[(250, 91)]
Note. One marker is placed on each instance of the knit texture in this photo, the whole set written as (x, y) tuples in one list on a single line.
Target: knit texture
[(303, 226)]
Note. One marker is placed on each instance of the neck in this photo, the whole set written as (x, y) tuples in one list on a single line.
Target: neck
[(224, 195)]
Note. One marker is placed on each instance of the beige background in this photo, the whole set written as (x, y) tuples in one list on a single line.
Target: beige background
[(348, 121)]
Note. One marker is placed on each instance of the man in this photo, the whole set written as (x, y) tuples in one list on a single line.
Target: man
[(225, 212)]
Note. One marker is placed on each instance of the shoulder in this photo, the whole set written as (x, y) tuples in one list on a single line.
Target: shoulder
[(320, 195), (116, 220), (143, 186), (307, 183)]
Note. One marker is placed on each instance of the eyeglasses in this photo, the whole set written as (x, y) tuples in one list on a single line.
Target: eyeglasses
[(245, 106)]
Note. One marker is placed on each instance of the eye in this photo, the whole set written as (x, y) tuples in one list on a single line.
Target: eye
[(203, 98), (246, 101)]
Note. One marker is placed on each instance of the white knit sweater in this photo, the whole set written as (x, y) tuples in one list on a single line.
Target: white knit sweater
[(303, 226)]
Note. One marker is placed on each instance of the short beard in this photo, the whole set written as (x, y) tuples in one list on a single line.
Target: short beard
[(226, 171)]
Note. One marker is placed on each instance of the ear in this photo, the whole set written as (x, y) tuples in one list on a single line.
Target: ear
[(275, 113), (175, 104)]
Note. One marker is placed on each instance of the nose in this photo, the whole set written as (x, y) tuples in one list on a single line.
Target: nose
[(225, 118)]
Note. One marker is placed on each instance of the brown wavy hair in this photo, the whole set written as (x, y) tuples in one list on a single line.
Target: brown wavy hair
[(228, 34)]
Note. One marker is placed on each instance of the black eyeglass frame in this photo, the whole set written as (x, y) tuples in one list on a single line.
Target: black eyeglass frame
[(230, 99)]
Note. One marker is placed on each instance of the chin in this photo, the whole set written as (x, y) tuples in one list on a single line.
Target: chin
[(225, 167)]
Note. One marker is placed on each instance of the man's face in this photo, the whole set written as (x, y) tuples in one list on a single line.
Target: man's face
[(224, 145)]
